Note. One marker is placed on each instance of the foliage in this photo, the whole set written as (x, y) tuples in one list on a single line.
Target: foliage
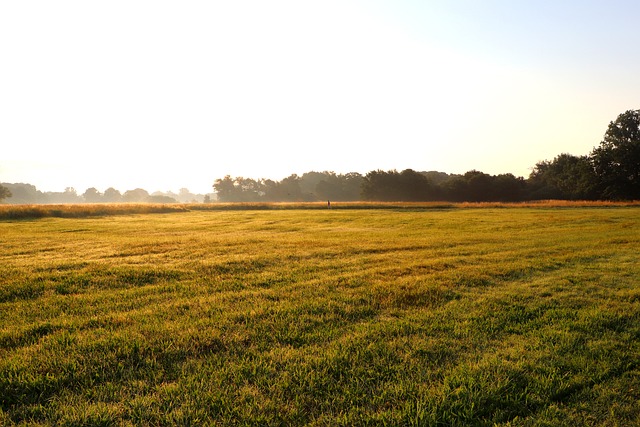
[(137, 195), (476, 186), (407, 186), (311, 186), (617, 159), (567, 177), (25, 193), (92, 195), (111, 195), (4, 193), (511, 317)]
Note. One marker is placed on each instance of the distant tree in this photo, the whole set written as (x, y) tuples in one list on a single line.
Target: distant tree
[(479, 186), (291, 185), (509, 188), (407, 185), (238, 189), (225, 189), (309, 183), (272, 191), (111, 195), (351, 186), (287, 190), (455, 188), (207, 199), (413, 186), (436, 178), (617, 160), (566, 177), (185, 196), (138, 195), (251, 190), (338, 187), (69, 195), (379, 185), (92, 195), (476, 186), (4, 193), (25, 194)]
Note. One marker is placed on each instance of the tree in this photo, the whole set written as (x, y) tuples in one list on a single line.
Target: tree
[(92, 195), (617, 160), (479, 186), (225, 189), (25, 194), (111, 195), (566, 177), (406, 186), (138, 195), (68, 196), (508, 188), (4, 193), (287, 190), (184, 196), (413, 186), (380, 186), (473, 186)]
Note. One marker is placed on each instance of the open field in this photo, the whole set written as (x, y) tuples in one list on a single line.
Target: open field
[(395, 316), (84, 210)]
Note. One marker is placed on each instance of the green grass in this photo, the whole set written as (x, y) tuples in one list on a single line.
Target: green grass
[(481, 317)]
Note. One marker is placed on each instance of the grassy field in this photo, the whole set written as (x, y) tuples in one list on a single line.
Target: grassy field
[(443, 316)]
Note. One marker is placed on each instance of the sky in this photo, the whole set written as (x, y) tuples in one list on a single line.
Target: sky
[(164, 95)]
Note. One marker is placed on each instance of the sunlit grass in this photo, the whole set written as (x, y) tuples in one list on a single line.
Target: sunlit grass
[(83, 210), (35, 211), (389, 316)]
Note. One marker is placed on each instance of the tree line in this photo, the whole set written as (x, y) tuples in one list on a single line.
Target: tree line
[(610, 172), (28, 194), (407, 185)]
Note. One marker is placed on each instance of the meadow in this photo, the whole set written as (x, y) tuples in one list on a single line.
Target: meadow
[(404, 316)]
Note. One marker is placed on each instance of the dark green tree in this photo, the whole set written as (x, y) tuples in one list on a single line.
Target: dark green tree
[(479, 187), (380, 186), (405, 186), (508, 188), (473, 186), (413, 186), (566, 177), (617, 160)]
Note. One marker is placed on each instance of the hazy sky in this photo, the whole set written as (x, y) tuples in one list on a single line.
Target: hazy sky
[(169, 94)]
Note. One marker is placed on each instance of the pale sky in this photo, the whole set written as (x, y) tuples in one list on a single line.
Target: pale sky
[(168, 94)]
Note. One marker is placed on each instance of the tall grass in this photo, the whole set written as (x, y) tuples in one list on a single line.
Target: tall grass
[(83, 210), (35, 211), (510, 317)]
